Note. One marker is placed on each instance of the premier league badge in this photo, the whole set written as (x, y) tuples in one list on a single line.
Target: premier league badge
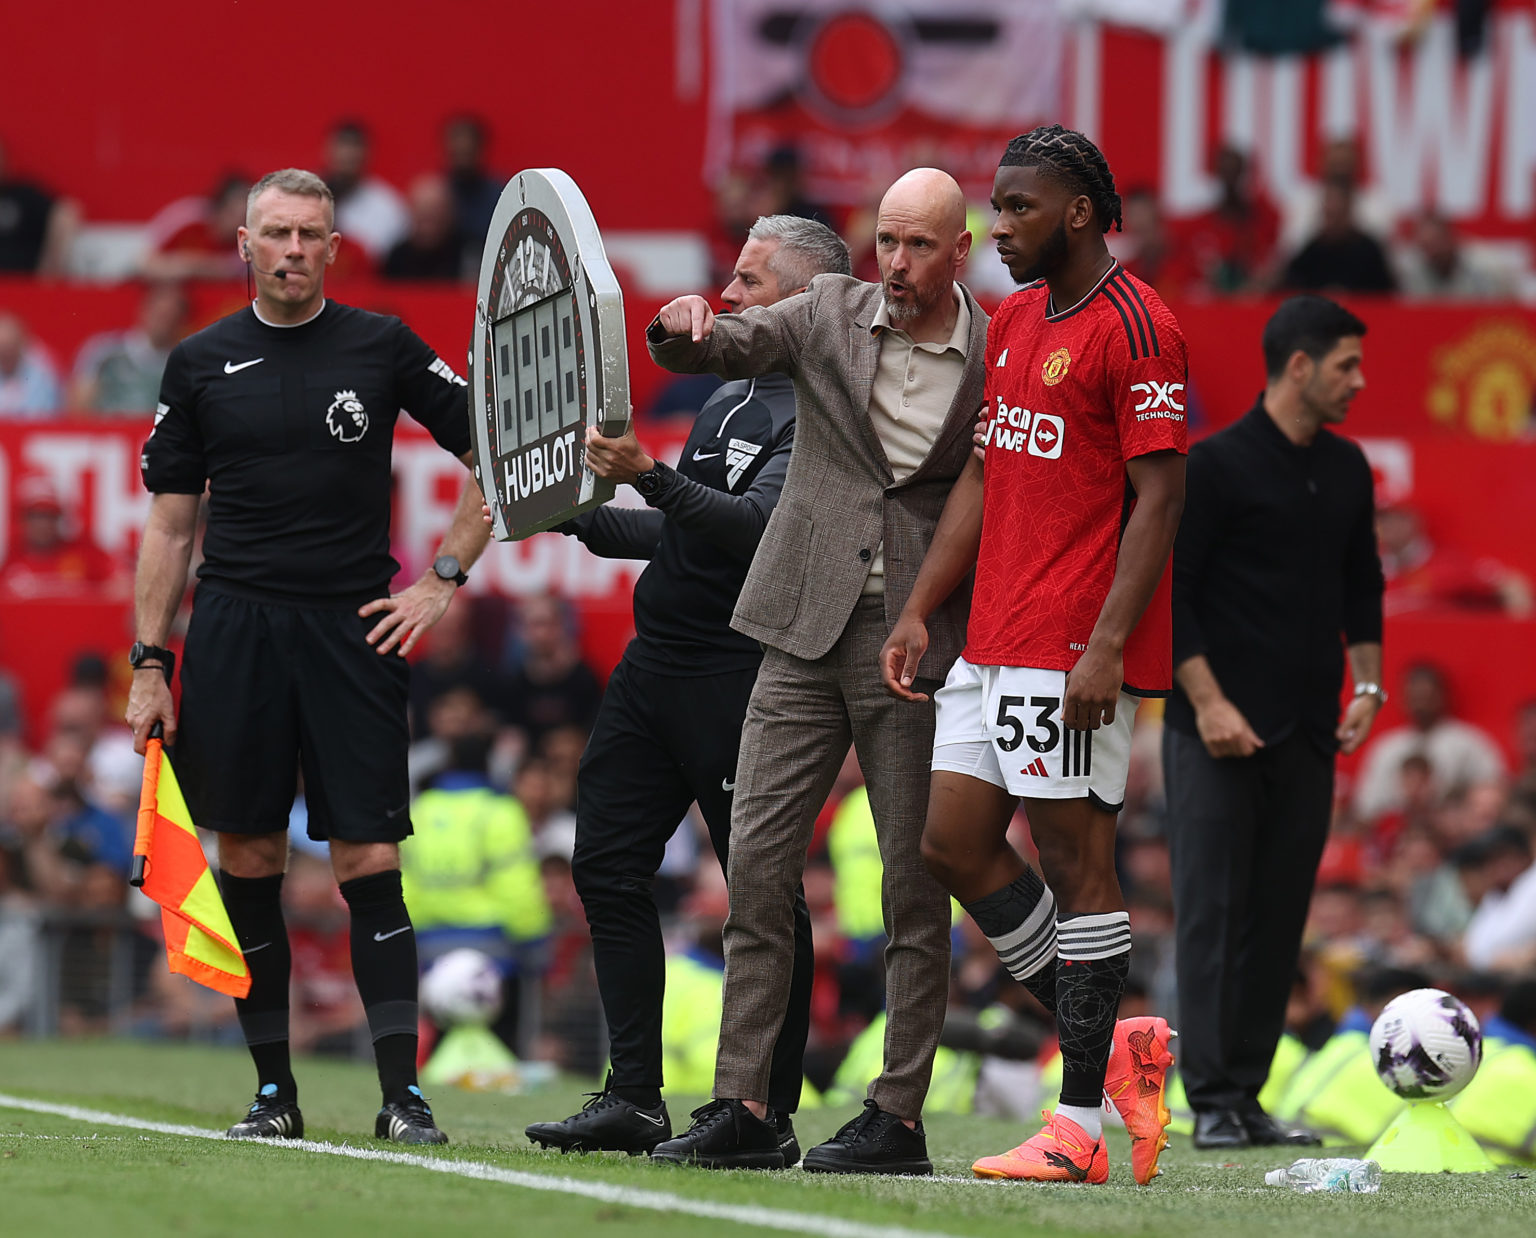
[(547, 358)]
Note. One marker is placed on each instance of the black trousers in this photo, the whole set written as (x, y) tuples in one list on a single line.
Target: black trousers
[(662, 742), (1245, 837)]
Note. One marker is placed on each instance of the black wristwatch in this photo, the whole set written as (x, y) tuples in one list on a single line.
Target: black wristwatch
[(447, 568), (140, 653), (653, 481)]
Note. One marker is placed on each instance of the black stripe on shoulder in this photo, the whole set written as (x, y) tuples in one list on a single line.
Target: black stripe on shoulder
[(1130, 331), (1130, 287)]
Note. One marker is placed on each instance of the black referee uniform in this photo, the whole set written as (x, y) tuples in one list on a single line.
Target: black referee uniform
[(291, 429), (670, 724), (1275, 569)]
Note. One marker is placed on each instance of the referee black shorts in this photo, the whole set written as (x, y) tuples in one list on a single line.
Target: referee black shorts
[(268, 688)]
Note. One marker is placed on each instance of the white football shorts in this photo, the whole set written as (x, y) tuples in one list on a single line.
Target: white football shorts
[(1002, 724)]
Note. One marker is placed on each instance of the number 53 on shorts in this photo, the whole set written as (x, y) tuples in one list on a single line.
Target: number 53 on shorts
[(1002, 724)]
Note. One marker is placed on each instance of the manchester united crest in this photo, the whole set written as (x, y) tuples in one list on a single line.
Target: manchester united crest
[(1056, 366)]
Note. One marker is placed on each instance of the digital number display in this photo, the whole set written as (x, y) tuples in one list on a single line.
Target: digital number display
[(536, 365)]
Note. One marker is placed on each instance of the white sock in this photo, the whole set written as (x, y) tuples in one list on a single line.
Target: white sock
[(1088, 1119)]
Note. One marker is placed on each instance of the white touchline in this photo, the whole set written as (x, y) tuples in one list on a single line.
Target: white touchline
[(632, 1197)]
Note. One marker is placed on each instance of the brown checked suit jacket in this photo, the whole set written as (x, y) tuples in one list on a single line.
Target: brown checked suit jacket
[(840, 500)]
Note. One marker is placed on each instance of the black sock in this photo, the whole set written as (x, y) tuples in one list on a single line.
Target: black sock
[(255, 909), (1094, 955), (1020, 922), (646, 1098), (384, 967)]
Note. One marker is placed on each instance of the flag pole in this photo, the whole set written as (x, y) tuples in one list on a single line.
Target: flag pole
[(147, 795)]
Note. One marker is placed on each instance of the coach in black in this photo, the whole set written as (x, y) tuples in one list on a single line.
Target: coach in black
[(285, 411), (1275, 572), (670, 723)]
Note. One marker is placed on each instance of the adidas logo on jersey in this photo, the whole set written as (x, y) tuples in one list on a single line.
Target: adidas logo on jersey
[(1018, 429), (739, 454), (1002, 359), (1036, 768)]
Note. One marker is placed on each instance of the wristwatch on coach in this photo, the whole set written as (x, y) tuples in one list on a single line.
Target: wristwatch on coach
[(142, 655), (653, 481), (1372, 689), (447, 568)]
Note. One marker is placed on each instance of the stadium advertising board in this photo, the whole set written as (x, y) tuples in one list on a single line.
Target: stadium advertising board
[(547, 358)]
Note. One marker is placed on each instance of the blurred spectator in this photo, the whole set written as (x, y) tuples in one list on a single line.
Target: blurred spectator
[(369, 211), (550, 816), (1341, 256), (551, 687), (1437, 267), (434, 248), (782, 189), (1460, 755), (1148, 248), (1501, 936), (457, 712), (1441, 905), (49, 559), (197, 237), (29, 383), (37, 229), (1234, 243), (1341, 162), (452, 659), (476, 190), (1422, 575), (119, 371)]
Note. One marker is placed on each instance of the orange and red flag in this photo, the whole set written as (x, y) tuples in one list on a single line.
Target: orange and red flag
[(170, 867)]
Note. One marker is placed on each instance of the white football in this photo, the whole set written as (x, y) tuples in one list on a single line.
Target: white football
[(1426, 1045), (463, 986)]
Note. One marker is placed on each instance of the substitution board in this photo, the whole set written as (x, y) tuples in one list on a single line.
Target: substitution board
[(547, 358)]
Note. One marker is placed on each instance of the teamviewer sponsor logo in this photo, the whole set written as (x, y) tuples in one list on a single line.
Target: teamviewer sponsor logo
[(1159, 401), (1045, 436), (1018, 429)]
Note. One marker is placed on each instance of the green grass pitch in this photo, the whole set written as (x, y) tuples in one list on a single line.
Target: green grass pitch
[(64, 1176)]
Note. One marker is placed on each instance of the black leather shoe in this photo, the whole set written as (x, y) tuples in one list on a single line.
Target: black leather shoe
[(875, 1142), (1220, 1128), (725, 1135), (1265, 1132), (788, 1144), (606, 1123)]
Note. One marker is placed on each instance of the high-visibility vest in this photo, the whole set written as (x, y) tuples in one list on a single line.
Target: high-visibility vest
[(1289, 1055), (470, 863), (952, 1089), (1337, 1093), (1498, 1107), (854, 850)]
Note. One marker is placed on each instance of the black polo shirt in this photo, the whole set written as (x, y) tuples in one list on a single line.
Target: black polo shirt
[(1275, 571), (291, 428)]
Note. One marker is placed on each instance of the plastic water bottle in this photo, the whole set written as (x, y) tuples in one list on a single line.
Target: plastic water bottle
[(1337, 1173)]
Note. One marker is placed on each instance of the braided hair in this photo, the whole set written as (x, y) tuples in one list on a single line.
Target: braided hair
[(1070, 159)]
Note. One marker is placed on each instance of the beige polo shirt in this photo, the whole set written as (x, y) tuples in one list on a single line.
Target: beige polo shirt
[(914, 386)]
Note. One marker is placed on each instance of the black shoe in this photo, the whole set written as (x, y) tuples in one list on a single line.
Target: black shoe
[(1220, 1128), (725, 1135), (269, 1118), (408, 1121), (1264, 1132), (788, 1144), (606, 1123), (875, 1142)]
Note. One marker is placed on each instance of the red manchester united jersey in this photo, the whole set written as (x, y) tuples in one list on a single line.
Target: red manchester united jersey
[(1071, 396)]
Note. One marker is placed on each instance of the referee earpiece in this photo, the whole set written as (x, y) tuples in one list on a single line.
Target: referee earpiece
[(245, 252)]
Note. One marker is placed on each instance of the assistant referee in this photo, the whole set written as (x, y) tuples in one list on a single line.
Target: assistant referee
[(670, 723), (285, 411)]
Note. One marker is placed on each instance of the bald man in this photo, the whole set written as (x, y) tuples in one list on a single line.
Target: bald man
[(888, 382)]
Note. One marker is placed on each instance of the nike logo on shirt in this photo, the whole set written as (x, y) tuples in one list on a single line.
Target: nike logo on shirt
[(727, 784), (391, 933), (253, 949), (231, 368), (705, 455)]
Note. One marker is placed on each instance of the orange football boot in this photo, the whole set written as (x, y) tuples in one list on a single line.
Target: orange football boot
[(1061, 1152), (1138, 1068)]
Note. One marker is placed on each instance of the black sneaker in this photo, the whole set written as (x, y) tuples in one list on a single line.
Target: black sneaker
[(606, 1123), (408, 1120), (875, 1142), (788, 1144), (725, 1135), (269, 1118)]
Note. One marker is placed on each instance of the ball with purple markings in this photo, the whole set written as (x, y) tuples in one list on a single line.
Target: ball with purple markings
[(463, 986), (1426, 1045)]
